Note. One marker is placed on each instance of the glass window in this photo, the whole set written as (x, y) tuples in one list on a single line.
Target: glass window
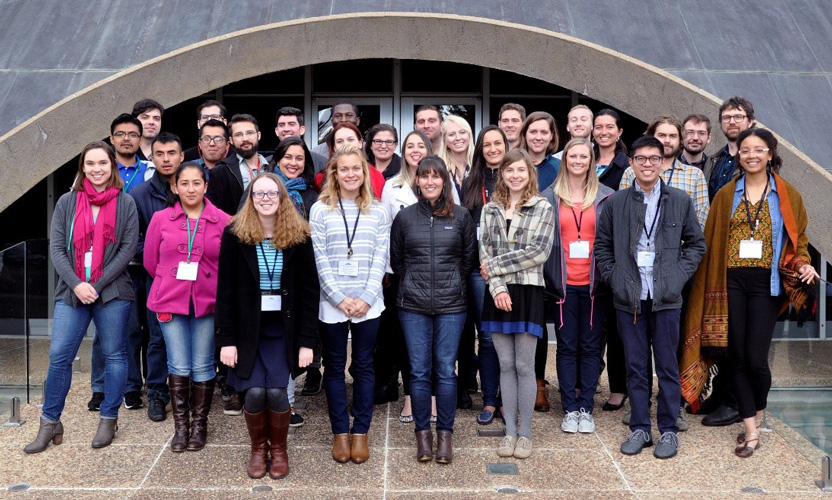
[(433, 76), (360, 75), (264, 109)]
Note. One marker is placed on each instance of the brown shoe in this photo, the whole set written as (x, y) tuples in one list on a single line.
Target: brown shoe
[(278, 431), (203, 395), (743, 450), (180, 409), (444, 447), (360, 450), (541, 403), (258, 431), (341, 448), (424, 445)]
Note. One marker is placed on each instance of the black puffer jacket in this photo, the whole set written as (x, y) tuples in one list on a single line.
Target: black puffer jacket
[(433, 256)]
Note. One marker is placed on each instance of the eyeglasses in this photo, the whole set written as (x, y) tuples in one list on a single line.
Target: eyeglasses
[(247, 133), (696, 133), (733, 118), (759, 151), (258, 195), (379, 142), (641, 160), (207, 139), (130, 135), (205, 118)]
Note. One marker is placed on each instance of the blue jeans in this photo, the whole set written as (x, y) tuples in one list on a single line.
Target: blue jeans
[(432, 343), (579, 343), (334, 336), (190, 346), (68, 328), (157, 358), (486, 354)]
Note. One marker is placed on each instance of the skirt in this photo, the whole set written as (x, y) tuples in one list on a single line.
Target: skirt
[(526, 316), (271, 363)]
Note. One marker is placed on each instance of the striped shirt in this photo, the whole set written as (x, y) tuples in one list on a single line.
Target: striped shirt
[(685, 177), (269, 260)]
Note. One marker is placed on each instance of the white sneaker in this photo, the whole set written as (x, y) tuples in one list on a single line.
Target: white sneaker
[(570, 422), (586, 424), (506, 448), (523, 448)]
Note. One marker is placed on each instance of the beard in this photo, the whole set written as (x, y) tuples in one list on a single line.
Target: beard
[(248, 153), (672, 154)]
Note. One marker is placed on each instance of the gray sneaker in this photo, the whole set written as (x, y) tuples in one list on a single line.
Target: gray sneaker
[(682, 421), (570, 422), (668, 444), (586, 424), (626, 418), (637, 441)]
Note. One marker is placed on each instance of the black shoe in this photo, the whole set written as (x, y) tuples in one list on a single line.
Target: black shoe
[(226, 393), (471, 384), (133, 400), (386, 393), (710, 405), (313, 382), (95, 401), (295, 420), (611, 407), (463, 401), (722, 416), (156, 409)]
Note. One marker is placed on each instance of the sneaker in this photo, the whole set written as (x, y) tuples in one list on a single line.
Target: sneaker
[(295, 420), (681, 421), (506, 448), (226, 393), (586, 424), (156, 409), (668, 444), (233, 406), (95, 401), (523, 448), (637, 441), (570, 422), (626, 418), (133, 400)]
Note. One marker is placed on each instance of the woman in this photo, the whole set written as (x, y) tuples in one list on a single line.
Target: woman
[(345, 133), (756, 240), (350, 235), (182, 249), (516, 237), (380, 148), (477, 190), (266, 322), (539, 138), (577, 199), (433, 248), (293, 163), (458, 148), (93, 237)]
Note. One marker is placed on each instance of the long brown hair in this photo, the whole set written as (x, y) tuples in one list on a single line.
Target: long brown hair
[(444, 206), (553, 128), (330, 192), (290, 228), (501, 194), (115, 178)]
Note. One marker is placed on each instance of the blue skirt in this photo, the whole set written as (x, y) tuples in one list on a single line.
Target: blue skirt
[(526, 315), (271, 363)]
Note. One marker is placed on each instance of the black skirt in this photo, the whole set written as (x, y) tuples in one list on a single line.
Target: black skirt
[(526, 315), (271, 363)]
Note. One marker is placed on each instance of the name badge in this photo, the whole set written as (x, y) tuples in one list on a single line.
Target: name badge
[(751, 249), (348, 268), (478, 232), (187, 271), (88, 259), (645, 258), (578, 249), (269, 302)]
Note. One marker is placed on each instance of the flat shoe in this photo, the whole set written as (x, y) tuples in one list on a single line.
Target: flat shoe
[(611, 407), (485, 417), (405, 419)]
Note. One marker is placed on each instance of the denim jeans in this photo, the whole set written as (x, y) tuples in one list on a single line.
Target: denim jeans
[(486, 354), (432, 343), (68, 328), (190, 346), (157, 358), (334, 336)]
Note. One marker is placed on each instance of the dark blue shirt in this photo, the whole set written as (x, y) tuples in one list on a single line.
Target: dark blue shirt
[(722, 173), (132, 175), (547, 171)]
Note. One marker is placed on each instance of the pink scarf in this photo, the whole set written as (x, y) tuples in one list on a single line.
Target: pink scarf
[(97, 234)]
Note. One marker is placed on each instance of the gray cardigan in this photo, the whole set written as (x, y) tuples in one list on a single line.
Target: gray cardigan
[(114, 282)]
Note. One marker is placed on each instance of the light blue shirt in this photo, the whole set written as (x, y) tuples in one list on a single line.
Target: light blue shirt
[(645, 243)]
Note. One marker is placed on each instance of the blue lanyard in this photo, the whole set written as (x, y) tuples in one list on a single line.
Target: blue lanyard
[(271, 272)]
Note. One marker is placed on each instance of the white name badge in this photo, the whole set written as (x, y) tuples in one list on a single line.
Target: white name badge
[(270, 302), (578, 249), (751, 249), (187, 271), (645, 258), (348, 268), (478, 232), (88, 259)]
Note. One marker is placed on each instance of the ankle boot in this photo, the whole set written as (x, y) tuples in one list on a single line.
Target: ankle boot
[(359, 449), (258, 431), (541, 403), (424, 445), (107, 428), (46, 432), (278, 431), (203, 396), (341, 448), (180, 406), (444, 447)]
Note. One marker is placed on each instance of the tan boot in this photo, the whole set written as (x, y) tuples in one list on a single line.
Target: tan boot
[(46, 432), (360, 449), (341, 448), (541, 402)]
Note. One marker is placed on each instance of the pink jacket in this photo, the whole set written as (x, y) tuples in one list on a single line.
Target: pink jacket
[(166, 245)]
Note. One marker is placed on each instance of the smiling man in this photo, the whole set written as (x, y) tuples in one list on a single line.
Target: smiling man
[(429, 121), (696, 130), (735, 115), (511, 120), (289, 123), (578, 124), (209, 110)]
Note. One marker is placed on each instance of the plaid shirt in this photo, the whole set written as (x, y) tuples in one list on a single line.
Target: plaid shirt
[(517, 255), (685, 177)]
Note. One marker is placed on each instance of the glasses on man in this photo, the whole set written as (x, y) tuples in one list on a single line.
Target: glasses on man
[(247, 133), (738, 118), (129, 135), (259, 195), (207, 139), (380, 142), (205, 118), (696, 133), (653, 160), (759, 151)]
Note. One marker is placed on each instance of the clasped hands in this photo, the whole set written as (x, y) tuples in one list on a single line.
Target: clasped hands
[(354, 308)]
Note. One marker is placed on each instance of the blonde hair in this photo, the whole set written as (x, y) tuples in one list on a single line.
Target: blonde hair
[(405, 177), (289, 229), (330, 192), (561, 186), (446, 154), (501, 192)]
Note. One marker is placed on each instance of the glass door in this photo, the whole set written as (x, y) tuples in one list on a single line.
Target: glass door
[(371, 110)]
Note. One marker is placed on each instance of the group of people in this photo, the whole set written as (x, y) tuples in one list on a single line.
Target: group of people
[(246, 272)]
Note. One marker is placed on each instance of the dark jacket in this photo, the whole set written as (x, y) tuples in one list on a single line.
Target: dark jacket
[(712, 173), (490, 183), (679, 246), (226, 187), (612, 175), (151, 196), (237, 320), (394, 168), (433, 256)]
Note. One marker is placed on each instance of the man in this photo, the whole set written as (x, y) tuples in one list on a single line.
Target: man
[(343, 111), (697, 136), (152, 196), (429, 120), (290, 124), (125, 136), (213, 144), (578, 124), (735, 115), (208, 110), (511, 120), (648, 244), (149, 112)]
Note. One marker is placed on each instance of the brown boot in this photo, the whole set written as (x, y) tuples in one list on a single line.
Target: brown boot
[(341, 448), (360, 449), (203, 396), (444, 447), (180, 406), (424, 445), (46, 432), (541, 403), (278, 431), (258, 431)]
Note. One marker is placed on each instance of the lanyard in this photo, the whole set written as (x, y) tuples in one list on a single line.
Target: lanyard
[(759, 207), (653, 224), (350, 239), (484, 194), (672, 171), (250, 176), (580, 221), (135, 174), (271, 272), (190, 237)]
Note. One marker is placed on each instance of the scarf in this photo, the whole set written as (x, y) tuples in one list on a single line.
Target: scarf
[(87, 233), (294, 188)]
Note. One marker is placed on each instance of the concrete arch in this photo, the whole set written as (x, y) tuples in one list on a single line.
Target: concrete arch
[(60, 131)]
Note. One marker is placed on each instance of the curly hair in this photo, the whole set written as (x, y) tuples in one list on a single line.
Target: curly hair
[(290, 228), (501, 194)]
